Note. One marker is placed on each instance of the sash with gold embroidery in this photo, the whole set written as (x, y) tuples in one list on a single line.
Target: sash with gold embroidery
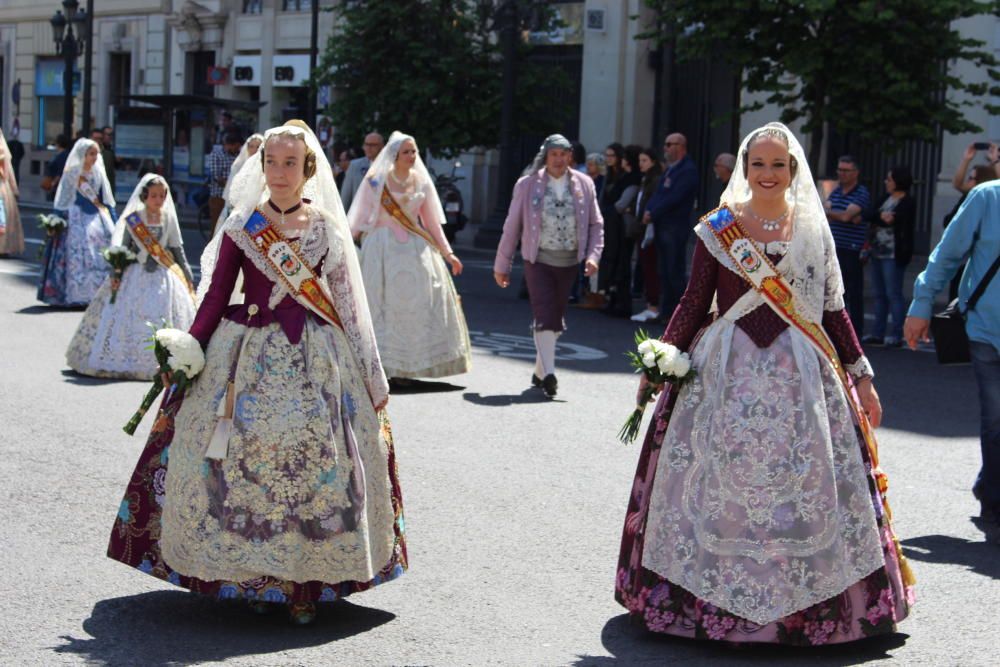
[(393, 208), (296, 275), (757, 269), (87, 190), (147, 240)]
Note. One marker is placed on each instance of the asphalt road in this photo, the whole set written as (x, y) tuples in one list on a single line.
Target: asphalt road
[(514, 507)]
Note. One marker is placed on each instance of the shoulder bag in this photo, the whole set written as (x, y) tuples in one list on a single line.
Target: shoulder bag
[(948, 327)]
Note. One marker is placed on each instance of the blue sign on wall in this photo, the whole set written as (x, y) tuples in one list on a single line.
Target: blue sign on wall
[(49, 77)]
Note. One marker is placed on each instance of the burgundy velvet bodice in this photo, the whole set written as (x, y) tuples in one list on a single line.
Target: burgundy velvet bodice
[(289, 314), (709, 278)]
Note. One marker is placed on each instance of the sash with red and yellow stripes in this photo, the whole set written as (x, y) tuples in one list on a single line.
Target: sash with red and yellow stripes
[(393, 208), (147, 240), (297, 276), (758, 270)]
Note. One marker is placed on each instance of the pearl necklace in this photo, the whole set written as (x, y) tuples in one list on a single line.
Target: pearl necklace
[(402, 183), (768, 224)]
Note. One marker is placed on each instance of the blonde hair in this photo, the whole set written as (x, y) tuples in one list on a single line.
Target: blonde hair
[(309, 166)]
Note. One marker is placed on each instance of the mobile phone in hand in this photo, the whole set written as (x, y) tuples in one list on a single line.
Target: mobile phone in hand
[(981, 145)]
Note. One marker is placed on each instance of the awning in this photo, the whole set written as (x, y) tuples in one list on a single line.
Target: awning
[(194, 102)]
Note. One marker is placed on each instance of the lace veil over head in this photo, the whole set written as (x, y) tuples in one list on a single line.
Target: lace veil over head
[(66, 192), (341, 272), (171, 237), (240, 160), (812, 267), (366, 206)]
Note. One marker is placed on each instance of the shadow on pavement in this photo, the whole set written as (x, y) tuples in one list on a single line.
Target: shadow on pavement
[(422, 387), (73, 377), (979, 557), (42, 309), (631, 645), (175, 628), (531, 395)]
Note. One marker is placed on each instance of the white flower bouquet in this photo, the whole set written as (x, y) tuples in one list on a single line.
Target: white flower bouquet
[(661, 363), (51, 223), (179, 354), (119, 257)]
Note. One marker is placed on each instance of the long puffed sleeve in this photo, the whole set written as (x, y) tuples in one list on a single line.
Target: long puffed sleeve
[(432, 217), (213, 307), (838, 327), (694, 306)]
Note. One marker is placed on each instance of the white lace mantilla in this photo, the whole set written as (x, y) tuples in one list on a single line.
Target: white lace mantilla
[(760, 503)]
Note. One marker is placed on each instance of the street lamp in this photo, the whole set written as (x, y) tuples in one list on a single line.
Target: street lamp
[(69, 45)]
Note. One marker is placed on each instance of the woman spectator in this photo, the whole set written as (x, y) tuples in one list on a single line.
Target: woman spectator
[(892, 248), (651, 170), (612, 172), (616, 266), (596, 168)]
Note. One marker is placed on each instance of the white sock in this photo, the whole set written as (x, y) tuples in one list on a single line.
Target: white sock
[(539, 369), (545, 343)]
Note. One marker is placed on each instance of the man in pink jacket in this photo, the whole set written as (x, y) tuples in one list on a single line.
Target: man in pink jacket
[(554, 215)]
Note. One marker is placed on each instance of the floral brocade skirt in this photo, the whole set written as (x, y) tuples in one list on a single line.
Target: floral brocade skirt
[(755, 486), (305, 506), (74, 267), (112, 339)]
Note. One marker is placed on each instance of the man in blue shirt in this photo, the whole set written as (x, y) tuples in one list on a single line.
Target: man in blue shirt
[(845, 209), (974, 233), (669, 211)]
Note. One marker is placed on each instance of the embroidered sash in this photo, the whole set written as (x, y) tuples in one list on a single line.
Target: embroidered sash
[(87, 190), (147, 240), (296, 275), (757, 269), (393, 208)]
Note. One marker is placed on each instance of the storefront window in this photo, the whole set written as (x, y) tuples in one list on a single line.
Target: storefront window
[(252, 6), (50, 95), (50, 111), (296, 5)]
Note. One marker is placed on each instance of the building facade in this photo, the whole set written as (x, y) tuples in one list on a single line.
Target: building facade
[(256, 53)]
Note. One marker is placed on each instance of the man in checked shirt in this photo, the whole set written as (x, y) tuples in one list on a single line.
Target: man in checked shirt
[(220, 161)]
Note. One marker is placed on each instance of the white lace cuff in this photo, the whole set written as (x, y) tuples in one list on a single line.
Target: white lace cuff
[(861, 368)]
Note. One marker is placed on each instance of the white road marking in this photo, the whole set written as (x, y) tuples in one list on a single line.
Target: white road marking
[(523, 347)]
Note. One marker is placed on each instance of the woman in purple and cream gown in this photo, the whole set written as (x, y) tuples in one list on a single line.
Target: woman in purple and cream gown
[(758, 512), (301, 503)]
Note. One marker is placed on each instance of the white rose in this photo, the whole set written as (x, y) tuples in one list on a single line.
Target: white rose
[(646, 346), (681, 365), (649, 360)]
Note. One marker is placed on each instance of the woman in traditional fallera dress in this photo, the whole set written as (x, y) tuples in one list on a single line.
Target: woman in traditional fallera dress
[(112, 339), (247, 151), (757, 512), (299, 502), (416, 311), (11, 233), (73, 267)]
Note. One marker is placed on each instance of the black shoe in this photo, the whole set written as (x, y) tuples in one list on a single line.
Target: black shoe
[(549, 385), (536, 381), (874, 341)]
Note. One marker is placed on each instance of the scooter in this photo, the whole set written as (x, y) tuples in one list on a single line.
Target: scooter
[(451, 200)]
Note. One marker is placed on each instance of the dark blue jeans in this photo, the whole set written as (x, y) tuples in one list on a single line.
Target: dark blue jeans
[(986, 364), (887, 283), (671, 255), (853, 273)]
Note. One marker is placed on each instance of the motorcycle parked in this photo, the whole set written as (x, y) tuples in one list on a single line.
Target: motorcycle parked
[(451, 200)]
